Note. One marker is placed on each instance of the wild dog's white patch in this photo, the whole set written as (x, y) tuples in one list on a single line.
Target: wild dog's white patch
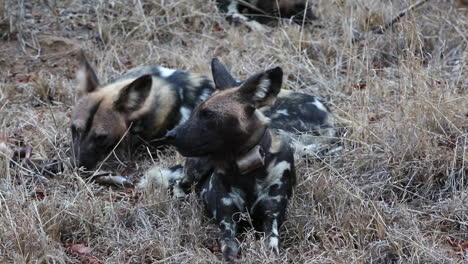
[(234, 13), (276, 170), (177, 191), (111, 179), (81, 78), (273, 244), (275, 173), (226, 201), (263, 119), (205, 94), (159, 176), (203, 192), (276, 198), (133, 99), (237, 197), (262, 88), (310, 149), (210, 185), (184, 114), (227, 226), (282, 112), (335, 150), (276, 143), (166, 72), (274, 228), (319, 105), (256, 26), (181, 95), (232, 8)]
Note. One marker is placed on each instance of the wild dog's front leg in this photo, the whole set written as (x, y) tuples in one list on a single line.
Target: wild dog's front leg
[(224, 206), (196, 171), (269, 209)]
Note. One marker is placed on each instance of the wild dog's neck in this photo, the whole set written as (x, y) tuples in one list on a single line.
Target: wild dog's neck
[(250, 159), (255, 139), (253, 155), (249, 156), (158, 113)]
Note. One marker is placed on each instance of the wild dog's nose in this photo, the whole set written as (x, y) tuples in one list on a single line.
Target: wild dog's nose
[(171, 135)]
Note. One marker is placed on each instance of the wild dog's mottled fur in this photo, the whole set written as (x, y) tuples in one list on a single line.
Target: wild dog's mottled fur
[(226, 131), (156, 99), (253, 13)]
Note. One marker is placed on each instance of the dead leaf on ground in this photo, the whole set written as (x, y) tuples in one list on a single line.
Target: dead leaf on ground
[(82, 252), (460, 246), (38, 193), (360, 86)]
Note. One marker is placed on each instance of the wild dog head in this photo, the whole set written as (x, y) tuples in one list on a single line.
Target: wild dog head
[(228, 120), (102, 113)]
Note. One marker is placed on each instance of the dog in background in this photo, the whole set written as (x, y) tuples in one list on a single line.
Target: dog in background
[(254, 13)]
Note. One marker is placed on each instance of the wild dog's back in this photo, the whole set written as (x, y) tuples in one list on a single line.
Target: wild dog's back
[(307, 122)]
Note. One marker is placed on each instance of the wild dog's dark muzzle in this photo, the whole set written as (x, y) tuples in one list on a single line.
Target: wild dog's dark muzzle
[(187, 144)]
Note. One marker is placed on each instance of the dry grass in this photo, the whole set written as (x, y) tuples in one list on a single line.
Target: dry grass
[(396, 194)]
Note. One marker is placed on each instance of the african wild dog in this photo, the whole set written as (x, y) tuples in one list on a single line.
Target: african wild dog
[(253, 13), (148, 101), (253, 167), (151, 100)]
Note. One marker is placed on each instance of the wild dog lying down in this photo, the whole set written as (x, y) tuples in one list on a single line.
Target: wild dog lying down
[(151, 100), (253, 13), (253, 167)]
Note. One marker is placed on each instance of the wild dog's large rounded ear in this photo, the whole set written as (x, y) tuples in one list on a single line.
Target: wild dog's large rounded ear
[(221, 77), (134, 95), (87, 78), (262, 88)]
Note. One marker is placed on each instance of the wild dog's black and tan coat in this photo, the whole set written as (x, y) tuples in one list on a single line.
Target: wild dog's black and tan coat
[(151, 100), (252, 168), (254, 13)]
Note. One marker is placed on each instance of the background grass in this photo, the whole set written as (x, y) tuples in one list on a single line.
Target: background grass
[(397, 194)]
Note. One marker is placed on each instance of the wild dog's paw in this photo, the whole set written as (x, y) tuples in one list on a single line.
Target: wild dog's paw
[(272, 244), (230, 250), (167, 178), (256, 26)]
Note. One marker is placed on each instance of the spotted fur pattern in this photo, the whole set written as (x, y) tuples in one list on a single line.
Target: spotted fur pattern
[(151, 100), (254, 13), (222, 130), (147, 102), (263, 193)]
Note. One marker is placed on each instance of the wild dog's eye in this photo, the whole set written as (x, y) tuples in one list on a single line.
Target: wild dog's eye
[(207, 113)]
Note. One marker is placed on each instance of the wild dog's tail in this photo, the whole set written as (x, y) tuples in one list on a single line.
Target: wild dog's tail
[(166, 178), (178, 179), (325, 140)]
